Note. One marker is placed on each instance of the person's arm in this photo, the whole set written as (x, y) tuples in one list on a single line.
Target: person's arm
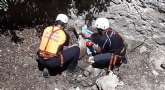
[(97, 48), (66, 44), (85, 35), (88, 35), (94, 35), (91, 44)]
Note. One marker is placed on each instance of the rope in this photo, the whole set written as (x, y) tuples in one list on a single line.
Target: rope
[(137, 46)]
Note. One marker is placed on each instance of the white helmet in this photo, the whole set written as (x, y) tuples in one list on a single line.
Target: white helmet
[(62, 17), (102, 23)]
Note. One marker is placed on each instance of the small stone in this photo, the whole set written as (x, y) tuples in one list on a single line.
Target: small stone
[(160, 40), (56, 89), (155, 73), (143, 49), (25, 66), (77, 88), (97, 71), (79, 75), (91, 59)]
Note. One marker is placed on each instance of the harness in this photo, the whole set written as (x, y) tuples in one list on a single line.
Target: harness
[(116, 58), (46, 55)]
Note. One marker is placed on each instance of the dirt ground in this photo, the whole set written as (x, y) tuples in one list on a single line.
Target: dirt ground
[(19, 71)]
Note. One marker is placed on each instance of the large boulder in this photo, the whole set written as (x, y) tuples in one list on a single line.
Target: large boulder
[(108, 82)]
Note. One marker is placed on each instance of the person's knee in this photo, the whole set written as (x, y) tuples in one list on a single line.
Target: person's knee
[(76, 49), (99, 64)]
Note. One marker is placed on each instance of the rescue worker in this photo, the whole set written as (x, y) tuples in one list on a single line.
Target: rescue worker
[(110, 48), (54, 54)]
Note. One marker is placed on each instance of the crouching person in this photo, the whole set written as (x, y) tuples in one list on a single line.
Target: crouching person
[(54, 54), (110, 49)]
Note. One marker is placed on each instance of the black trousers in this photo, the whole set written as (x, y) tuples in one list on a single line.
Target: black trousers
[(70, 57), (102, 60)]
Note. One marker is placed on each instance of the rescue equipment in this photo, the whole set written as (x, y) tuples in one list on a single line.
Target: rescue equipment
[(116, 58)]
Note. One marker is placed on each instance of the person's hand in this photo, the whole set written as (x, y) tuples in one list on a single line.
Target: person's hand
[(89, 43)]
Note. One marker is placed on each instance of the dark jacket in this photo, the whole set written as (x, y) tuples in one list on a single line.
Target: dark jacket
[(109, 41)]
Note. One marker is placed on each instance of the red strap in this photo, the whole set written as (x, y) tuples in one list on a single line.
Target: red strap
[(62, 59), (111, 62), (114, 58)]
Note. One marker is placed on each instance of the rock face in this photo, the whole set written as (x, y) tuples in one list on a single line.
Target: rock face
[(140, 22), (137, 21)]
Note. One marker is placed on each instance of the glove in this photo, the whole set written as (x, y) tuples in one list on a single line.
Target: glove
[(89, 43), (83, 35)]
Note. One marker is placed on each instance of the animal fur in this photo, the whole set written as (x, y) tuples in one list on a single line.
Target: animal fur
[(82, 46), (81, 42)]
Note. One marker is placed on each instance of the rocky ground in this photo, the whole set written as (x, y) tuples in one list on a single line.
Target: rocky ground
[(141, 23), (19, 69)]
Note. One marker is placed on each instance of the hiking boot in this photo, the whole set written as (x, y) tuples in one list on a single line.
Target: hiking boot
[(162, 66), (46, 73)]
